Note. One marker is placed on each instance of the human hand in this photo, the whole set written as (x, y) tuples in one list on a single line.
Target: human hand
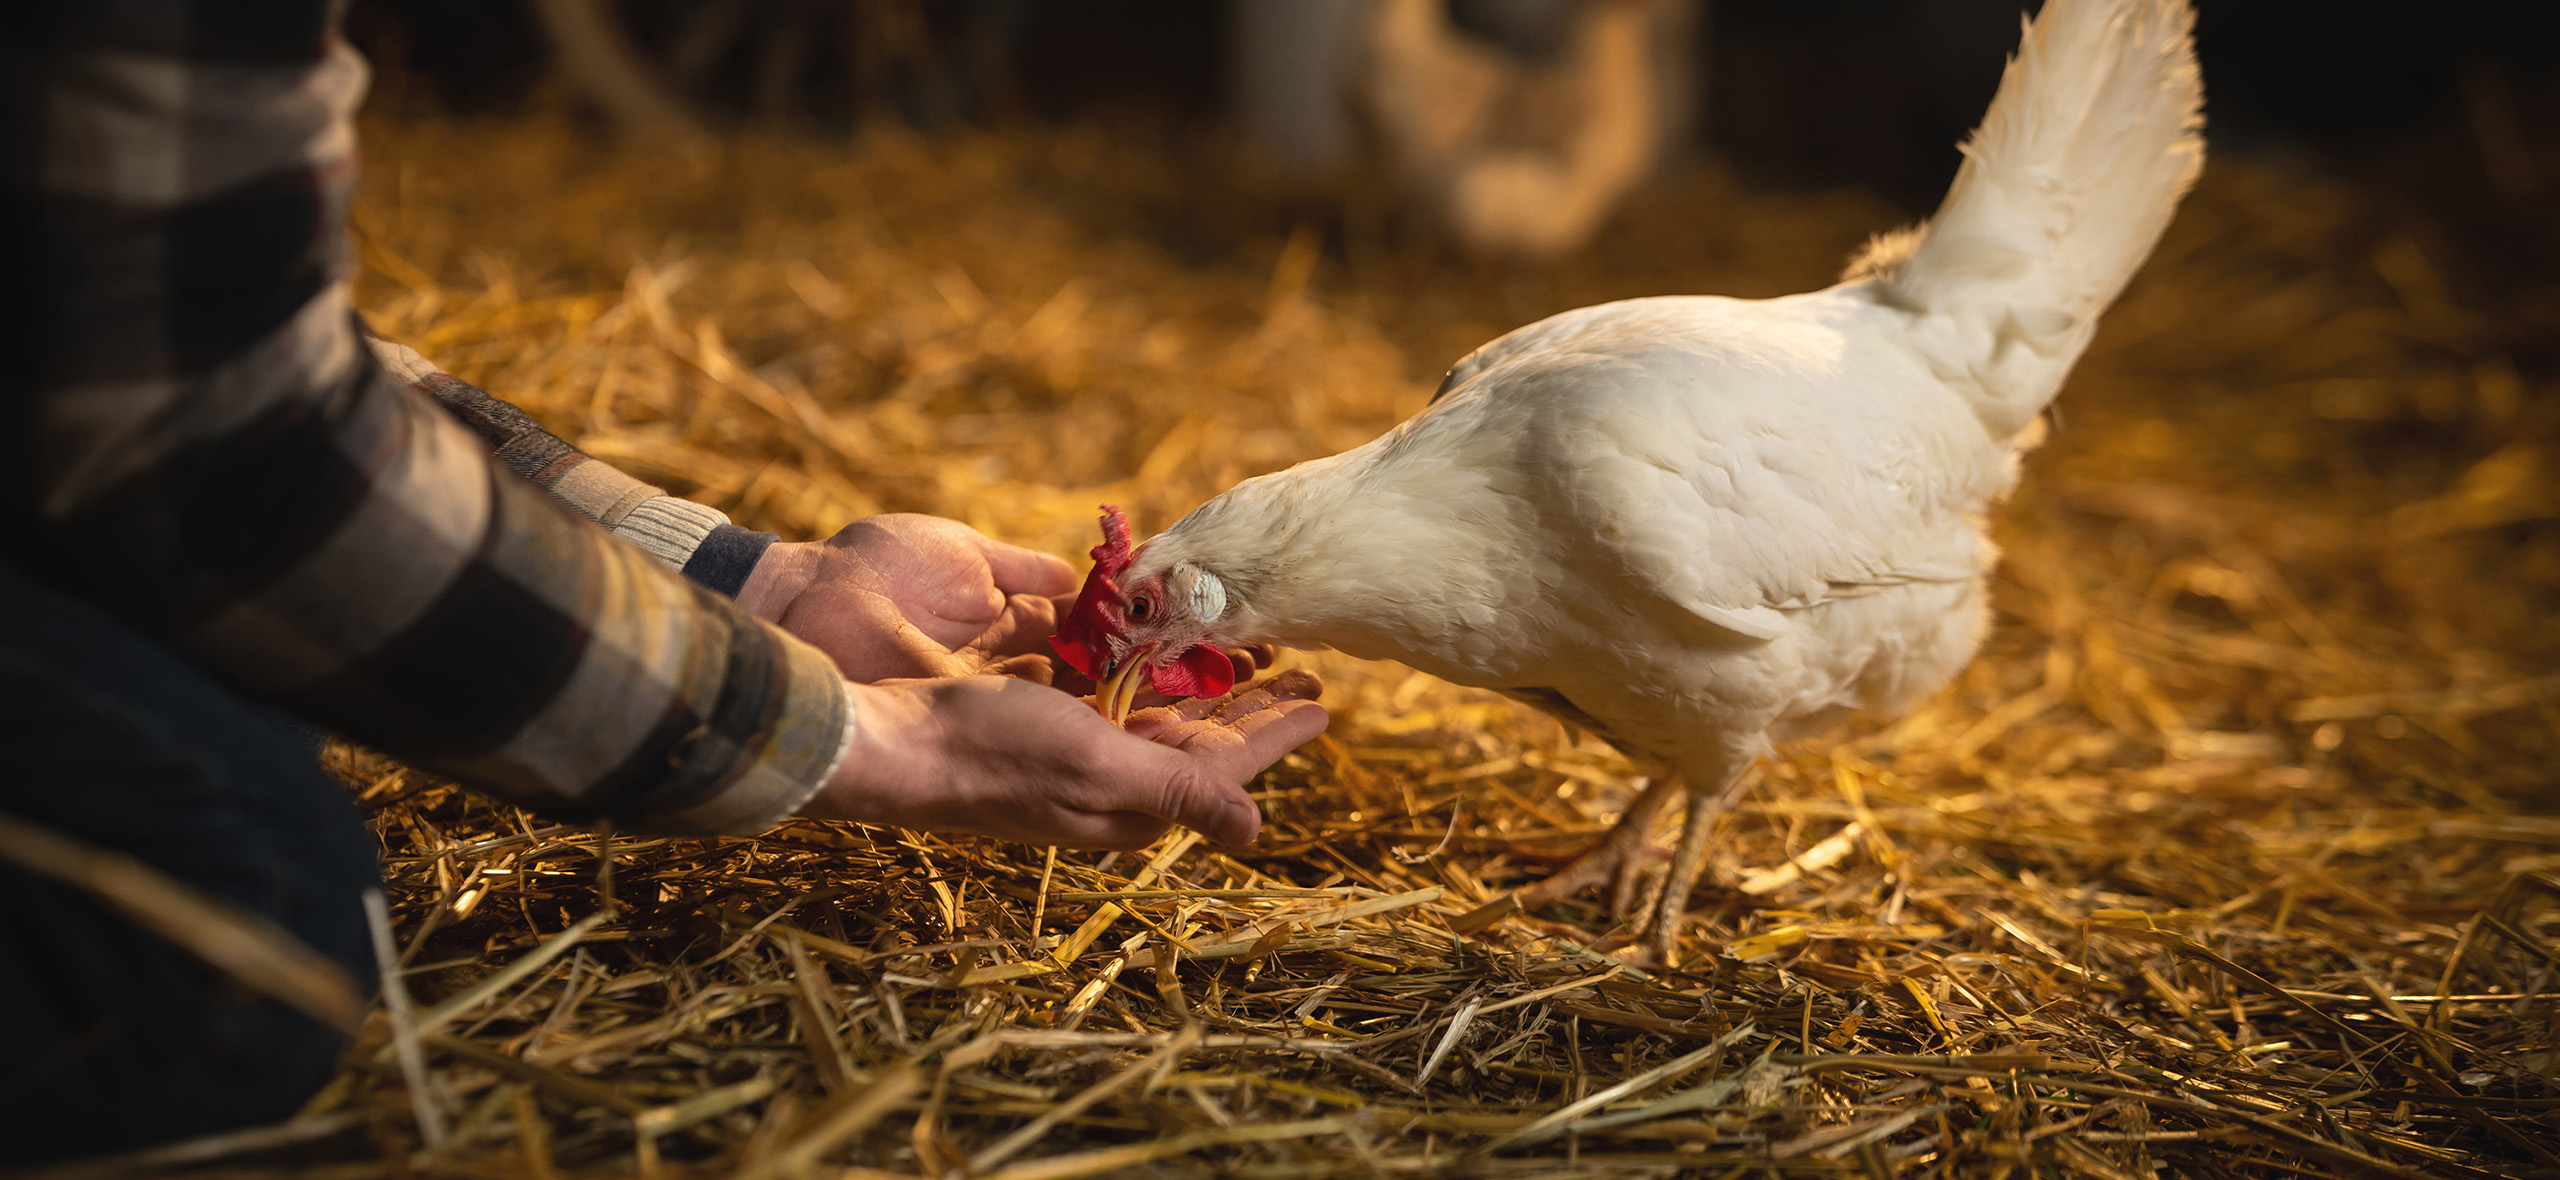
[(908, 596), (1015, 761)]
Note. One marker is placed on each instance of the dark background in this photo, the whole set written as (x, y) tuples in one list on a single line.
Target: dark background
[(1799, 91), (2450, 105)]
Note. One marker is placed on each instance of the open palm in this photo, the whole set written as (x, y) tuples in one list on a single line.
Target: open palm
[(906, 596)]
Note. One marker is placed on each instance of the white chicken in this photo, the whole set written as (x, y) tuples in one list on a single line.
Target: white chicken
[(1698, 526)]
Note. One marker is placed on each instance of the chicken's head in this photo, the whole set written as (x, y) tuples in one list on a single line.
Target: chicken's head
[(1162, 625)]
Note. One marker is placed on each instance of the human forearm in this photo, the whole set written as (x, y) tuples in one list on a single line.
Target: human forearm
[(198, 440), (443, 610), (689, 536)]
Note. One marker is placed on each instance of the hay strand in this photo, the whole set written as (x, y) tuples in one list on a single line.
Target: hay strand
[(2231, 854)]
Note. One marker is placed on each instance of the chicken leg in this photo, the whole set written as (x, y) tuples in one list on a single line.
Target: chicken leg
[(1704, 809), (1618, 859)]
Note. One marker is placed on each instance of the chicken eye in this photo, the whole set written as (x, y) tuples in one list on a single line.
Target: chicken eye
[(1139, 608)]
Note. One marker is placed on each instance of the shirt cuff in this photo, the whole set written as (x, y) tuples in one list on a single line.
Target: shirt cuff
[(672, 530), (669, 529), (725, 557)]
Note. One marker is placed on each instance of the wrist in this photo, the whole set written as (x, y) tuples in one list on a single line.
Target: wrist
[(785, 569), (881, 775)]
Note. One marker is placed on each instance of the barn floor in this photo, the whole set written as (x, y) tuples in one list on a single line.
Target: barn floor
[(2237, 851)]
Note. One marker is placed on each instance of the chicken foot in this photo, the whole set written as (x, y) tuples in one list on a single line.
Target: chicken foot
[(1618, 859)]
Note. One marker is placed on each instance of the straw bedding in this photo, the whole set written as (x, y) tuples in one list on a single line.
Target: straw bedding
[(2235, 852)]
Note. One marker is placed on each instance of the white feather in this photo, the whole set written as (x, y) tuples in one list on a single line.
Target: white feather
[(2094, 135), (1706, 524)]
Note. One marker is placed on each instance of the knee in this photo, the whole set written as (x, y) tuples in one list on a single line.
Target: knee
[(118, 1038)]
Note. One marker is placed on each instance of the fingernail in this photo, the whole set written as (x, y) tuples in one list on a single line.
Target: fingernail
[(1246, 818)]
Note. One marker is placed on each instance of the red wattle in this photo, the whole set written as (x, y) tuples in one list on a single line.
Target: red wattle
[(1203, 671), (1077, 655)]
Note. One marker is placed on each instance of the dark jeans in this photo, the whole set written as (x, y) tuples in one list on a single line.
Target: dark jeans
[(111, 1038)]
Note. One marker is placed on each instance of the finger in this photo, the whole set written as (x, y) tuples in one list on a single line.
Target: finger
[(1205, 791), (1239, 749), (1200, 789), (908, 653), (1207, 803), (1026, 571), (1294, 684), (950, 614), (868, 639), (1154, 720), (1154, 723), (1025, 626), (1114, 831), (1035, 668)]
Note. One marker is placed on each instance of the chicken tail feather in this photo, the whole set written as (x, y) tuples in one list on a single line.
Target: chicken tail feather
[(2094, 135)]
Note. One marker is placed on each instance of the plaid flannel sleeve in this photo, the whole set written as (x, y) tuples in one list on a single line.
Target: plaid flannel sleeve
[(197, 437), (695, 538)]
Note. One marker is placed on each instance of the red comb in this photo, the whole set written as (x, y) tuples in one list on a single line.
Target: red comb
[(1079, 640), (1112, 555)]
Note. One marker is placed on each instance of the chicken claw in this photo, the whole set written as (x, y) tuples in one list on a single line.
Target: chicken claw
[(1618, 858)]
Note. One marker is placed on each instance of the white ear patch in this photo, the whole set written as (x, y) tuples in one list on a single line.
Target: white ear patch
[(1208, 596)]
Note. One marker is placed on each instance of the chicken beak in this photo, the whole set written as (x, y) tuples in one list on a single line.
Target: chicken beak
[(1118, 692)]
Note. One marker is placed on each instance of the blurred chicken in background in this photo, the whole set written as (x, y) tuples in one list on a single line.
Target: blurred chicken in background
[(1519, 124)]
